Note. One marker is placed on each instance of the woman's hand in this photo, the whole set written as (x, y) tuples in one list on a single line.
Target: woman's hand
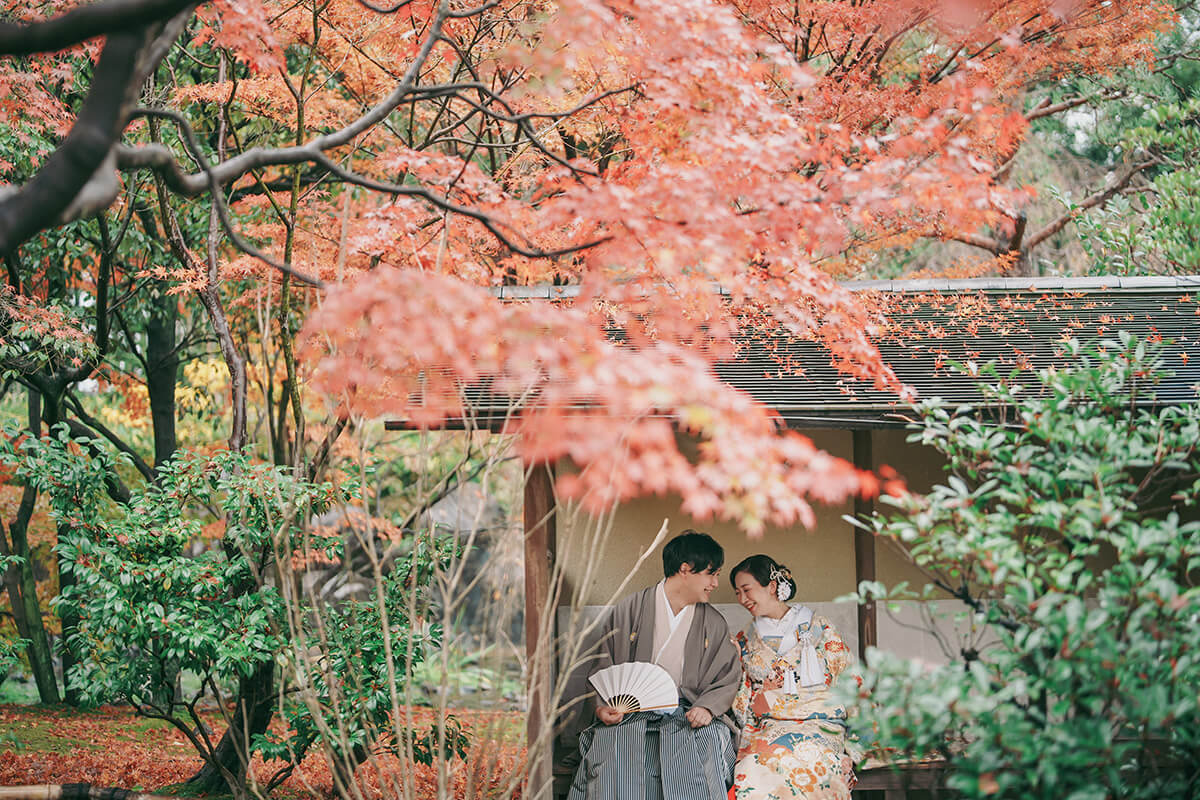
[(609, 715)]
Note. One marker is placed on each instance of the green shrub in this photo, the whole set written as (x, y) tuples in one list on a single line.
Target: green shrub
[(1068, 526), (164, 624)]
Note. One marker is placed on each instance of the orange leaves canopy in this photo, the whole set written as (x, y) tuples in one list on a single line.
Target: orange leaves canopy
[(710, 163), (759, 143)]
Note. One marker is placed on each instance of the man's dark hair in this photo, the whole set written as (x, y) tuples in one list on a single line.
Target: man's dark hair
[(698, 550)]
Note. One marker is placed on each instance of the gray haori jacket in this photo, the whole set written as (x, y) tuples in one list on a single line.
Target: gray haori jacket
[(712, 669)]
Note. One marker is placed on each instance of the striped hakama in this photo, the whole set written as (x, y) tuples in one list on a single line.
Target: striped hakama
[(651, 756)]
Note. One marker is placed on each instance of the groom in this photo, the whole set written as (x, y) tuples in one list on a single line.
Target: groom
[(688, 754)]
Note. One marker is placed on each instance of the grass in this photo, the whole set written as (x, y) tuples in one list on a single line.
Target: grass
[(18, 692), (43, 735)]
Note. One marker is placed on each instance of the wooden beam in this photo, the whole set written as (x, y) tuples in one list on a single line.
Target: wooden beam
[(864, 546), (540, 542)]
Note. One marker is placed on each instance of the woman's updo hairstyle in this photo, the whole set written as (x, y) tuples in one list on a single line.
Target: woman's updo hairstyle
[(765, 569)]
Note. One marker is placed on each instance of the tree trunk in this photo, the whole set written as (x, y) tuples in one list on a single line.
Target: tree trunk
[(52, 414), (22, 594), (256, 693), (22, 591), (162, 373), (1023, 266), (255, 705), (162, 377)]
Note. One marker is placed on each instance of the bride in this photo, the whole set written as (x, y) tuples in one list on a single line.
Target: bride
[(793, 742)]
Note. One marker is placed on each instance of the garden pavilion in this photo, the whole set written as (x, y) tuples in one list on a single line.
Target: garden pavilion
[(1018, 323)]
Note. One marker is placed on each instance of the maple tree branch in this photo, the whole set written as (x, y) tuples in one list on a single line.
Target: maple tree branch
[(382, 10), (69, 169), (160, 158), (218, 196), (1000, 174), (516, 118), (86, 22), (79, 176), (211, 177), (522, 120), (445, 204), (1015, 241), (936, 75), (117, 442), (1046, 109), (1119, 182), (883, 49), (474, 11), (982, 242)]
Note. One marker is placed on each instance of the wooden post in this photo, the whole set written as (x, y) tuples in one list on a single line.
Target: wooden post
[(864, 546), (540, 534)]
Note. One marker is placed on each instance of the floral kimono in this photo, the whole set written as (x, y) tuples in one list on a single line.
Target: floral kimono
[(795, 749)]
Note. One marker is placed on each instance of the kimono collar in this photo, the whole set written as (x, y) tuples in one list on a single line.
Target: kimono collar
[(786, 626), (795, 629)]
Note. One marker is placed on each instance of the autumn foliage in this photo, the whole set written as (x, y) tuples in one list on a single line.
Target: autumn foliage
[(576, 207), (645, 154)]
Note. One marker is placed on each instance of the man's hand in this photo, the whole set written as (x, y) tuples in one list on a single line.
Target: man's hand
[(609, 715), (698, 716)]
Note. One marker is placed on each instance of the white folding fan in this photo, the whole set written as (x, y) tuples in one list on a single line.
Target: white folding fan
[(636, 686)]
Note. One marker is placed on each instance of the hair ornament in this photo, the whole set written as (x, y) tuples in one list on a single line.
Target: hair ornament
[(784, 586)]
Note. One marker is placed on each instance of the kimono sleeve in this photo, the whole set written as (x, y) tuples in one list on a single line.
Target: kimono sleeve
[(722, 678), (834, 650), (745, 696), (579, 697)]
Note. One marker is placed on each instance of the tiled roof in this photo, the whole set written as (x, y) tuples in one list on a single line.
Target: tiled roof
[(1020, 323)]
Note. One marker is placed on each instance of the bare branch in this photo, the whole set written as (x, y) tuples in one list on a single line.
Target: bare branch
[(218, 197), (382, 10), (160, 158), (86, 22), (107, 433), (43, 199), (1119, 182), (982, 242), (493, 226), (1045, 109), (471, 12), (57, 188)]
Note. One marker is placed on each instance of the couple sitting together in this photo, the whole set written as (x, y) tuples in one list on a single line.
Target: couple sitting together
[(754, 710)]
